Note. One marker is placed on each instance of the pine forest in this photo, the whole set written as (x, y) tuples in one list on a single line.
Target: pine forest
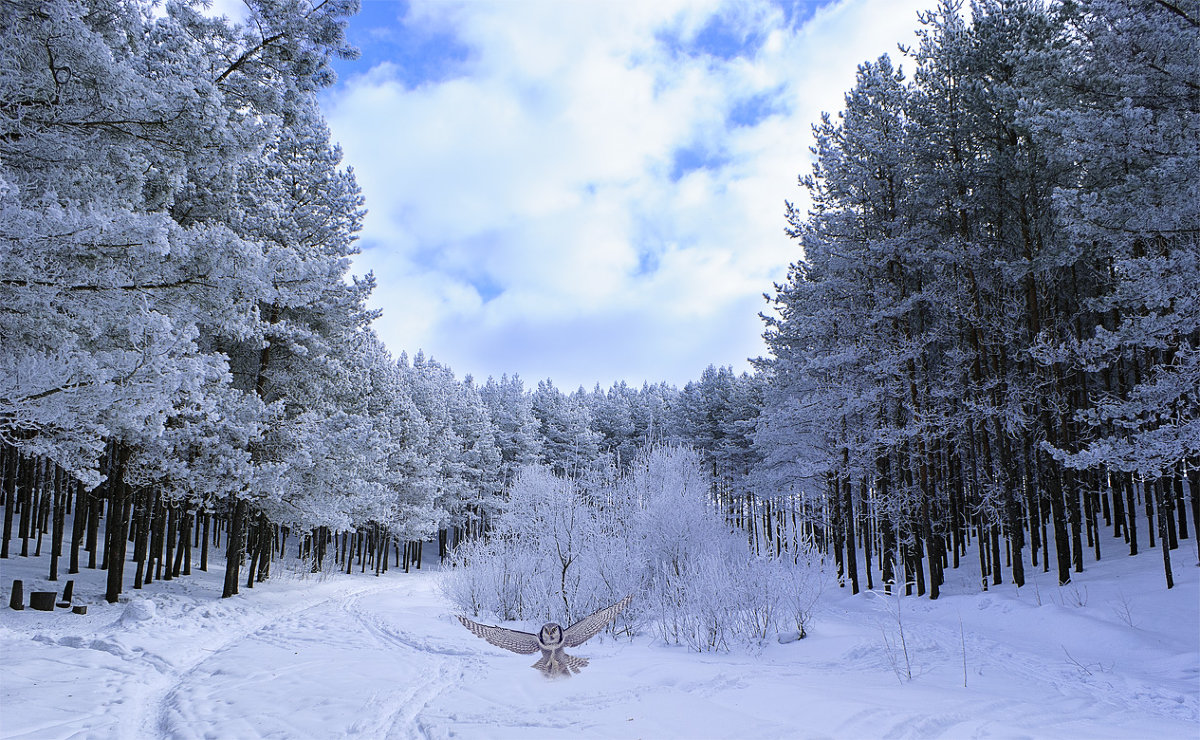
[(985, 355)]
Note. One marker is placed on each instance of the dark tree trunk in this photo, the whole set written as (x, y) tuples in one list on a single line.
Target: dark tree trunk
[(183, 552), (994, 537), (169, 538), (1131, 510), (117, 526), (235, 553), (9, 483), (26, 499), (981, 545), (888, 556), (1016, 536), (45, 494), (1148, 500), (267, 550), (1193, 477), (253, 549), (158, 528), (848, 520), (204, 542), (1071, 492), (60, 518), (1120, 527), (839, 529), (141, 538), (1062, 549), (867, 537), (79, 525), (934, 558), (1167, 492), (1181, 512), (95, 509), (1164, 539)]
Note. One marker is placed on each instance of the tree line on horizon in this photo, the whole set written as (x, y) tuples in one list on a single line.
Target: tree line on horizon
[(993, 335)]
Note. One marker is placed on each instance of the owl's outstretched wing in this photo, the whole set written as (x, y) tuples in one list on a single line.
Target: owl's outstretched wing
[(589, 626), (514, 640)]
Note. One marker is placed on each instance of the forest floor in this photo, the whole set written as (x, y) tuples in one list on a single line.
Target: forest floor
[(1113, 655)]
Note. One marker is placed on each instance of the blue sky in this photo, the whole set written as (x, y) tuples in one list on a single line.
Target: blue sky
[(589, 190)]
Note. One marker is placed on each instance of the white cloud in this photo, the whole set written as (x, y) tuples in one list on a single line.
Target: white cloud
[(523, 217)]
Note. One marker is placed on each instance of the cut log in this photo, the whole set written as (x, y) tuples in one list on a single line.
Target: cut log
[(79, 609), (43, 601), (69, 591)]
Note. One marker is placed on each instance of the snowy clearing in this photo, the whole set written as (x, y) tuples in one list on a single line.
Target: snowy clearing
[(362, 656)]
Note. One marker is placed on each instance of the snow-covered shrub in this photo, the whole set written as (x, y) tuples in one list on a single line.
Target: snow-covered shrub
[(562, 549), (800, 578), (530, 566), (616, 563), (496, 576)]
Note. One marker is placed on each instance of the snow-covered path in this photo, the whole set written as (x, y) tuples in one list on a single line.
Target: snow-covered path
[(360, 674), (360, 656)]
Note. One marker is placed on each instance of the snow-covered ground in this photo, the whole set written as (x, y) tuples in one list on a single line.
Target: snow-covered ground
[(301, 656)]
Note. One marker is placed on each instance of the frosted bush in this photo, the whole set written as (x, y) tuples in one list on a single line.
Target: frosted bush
[(563, 549), (800, 579), (498, 576)]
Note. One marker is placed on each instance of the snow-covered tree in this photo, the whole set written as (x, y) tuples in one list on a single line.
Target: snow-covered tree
[(570, 446), (511, 409)]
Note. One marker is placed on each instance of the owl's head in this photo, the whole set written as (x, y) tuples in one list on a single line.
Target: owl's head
[(551, 634)]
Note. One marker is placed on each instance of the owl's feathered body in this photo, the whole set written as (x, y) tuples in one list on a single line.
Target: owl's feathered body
[(550, 639)]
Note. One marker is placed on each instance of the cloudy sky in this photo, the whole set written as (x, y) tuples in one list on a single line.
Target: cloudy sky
[(589, 191)]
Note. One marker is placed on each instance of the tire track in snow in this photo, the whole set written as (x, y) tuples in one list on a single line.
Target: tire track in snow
[(402, 715), (155, 719)]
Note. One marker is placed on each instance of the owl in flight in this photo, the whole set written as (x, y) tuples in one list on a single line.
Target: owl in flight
[(551, 639)]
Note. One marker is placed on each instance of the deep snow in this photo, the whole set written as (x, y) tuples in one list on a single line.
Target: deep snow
[(302, 656)]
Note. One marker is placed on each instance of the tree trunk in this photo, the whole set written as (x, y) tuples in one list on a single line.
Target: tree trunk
[(1130, 510), (9, 483), (1181, 513), (235, 553), (1058, 516), (994, 537), (851, 551), (183, 552), (204, 542), (26, 499), (253, 548), (267, 550), (79, 525), (169, 537), (1164, 539), (117, 526), (141, 536), (888, 556), (981, 544), (1120, 527), (1071, 493)]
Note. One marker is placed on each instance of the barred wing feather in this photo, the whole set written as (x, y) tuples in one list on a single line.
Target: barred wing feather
[(589, 626), (514, 640)]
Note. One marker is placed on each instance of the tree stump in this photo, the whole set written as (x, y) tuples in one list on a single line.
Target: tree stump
[(17, 600), (43, 601), (69, 591)]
